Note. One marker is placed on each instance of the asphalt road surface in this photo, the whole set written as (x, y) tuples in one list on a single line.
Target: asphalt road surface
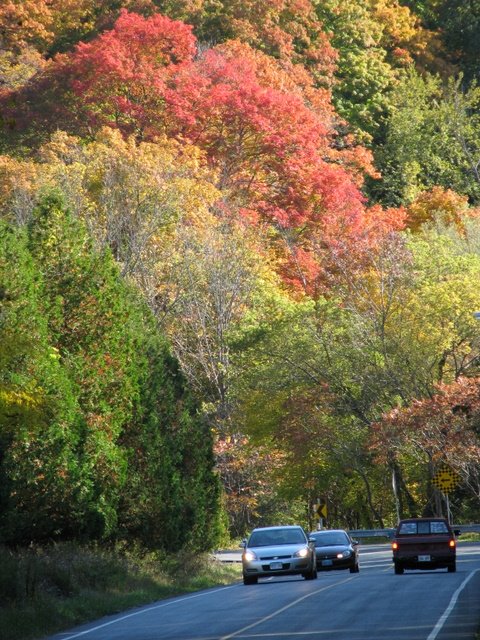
[(374, 604)]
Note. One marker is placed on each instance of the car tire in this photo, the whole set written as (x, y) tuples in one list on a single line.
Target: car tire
[(311, 575), (452, 567), (398, 568), (250, 580)]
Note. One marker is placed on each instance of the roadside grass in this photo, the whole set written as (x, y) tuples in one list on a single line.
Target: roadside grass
[(469, 537), (48, 589)]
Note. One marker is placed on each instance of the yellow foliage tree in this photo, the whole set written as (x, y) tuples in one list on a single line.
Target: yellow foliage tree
[(132, 195), (25, 21)]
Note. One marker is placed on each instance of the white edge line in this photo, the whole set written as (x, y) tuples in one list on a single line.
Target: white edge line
[(141, 611), (443, 618)]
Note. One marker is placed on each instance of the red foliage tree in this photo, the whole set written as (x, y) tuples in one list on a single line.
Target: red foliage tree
[(275, 154), (118, 79), (121, 76)]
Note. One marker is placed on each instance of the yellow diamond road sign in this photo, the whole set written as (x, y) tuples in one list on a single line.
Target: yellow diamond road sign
[(445, 479)]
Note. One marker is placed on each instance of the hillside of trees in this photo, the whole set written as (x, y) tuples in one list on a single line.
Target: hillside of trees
[(239, 262)]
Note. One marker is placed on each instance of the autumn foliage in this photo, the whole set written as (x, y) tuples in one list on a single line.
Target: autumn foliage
[(295, 197), (441, 429), (267, 131), (439, 205)]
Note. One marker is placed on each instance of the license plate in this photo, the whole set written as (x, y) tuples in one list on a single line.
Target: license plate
[(327, 563), (275, 565), (424, 558)]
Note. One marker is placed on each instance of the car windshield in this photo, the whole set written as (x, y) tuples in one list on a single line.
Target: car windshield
[(329, 539), (276, 536), (422, 528)]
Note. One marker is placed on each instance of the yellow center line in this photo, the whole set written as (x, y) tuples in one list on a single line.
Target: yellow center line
[(282, 609)]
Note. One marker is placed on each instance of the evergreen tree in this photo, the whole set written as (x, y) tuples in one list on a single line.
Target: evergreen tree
[(39, 417), (171, 499), (93, 323)]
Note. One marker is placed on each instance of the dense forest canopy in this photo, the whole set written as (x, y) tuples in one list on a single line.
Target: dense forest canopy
[(239, 260)]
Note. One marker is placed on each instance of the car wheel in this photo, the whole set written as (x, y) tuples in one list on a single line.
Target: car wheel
[(250, 580), (311, 575), (452, 568), (398, 568)]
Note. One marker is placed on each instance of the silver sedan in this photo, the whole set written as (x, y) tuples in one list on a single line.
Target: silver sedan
[(271, 551)]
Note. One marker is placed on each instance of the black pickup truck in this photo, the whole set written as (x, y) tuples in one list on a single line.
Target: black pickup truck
[(424, 543)]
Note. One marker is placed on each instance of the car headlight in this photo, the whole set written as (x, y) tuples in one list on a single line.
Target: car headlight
[(301, 553), (249, 556), (344, 554)]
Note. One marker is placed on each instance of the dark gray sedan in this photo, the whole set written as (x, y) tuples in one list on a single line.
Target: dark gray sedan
[(334, 549), (272, 551)]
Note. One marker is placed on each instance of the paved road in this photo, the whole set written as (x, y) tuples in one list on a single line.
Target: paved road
[(372, 605)]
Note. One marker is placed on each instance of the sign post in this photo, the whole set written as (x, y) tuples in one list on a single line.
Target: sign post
[(445, 480), (321, 511)]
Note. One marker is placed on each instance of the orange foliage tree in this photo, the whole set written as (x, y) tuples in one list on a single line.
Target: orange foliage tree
[(439, 205), (288, 30)]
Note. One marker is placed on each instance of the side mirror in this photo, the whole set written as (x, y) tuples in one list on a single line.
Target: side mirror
[(311, 540), (355, 543), (457, 532), (243, 543)]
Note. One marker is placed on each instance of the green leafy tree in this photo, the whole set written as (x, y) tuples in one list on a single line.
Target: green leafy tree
[(375, 42), (365, 74), (432, 140), (423, 8), (94, 414), (327, 370), (106, 423)]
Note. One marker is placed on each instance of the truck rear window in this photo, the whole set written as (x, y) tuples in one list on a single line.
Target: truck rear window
[(422, 528)]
